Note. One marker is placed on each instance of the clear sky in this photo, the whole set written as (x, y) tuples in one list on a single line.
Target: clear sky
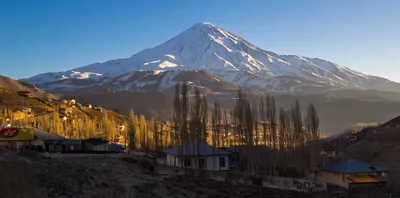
[(58, 35)]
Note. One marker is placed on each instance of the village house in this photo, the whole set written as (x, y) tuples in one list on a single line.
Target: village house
[(19, 115), (65, 111), (197, 156), (87, 105), (48, 142), (72, 102), (25, 93), (98, 109), (95, 144), (27, 109), (354, 176), (65, 145)]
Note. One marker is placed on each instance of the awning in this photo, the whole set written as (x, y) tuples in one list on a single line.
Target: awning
[(366, 179)]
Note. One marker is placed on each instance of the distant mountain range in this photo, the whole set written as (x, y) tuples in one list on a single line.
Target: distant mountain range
[(213, 58)]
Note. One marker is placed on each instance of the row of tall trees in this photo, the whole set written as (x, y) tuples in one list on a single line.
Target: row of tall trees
[(278, 141), (145, 135)]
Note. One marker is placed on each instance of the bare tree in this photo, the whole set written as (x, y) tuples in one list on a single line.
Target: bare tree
[(132, 130), (312, 128)]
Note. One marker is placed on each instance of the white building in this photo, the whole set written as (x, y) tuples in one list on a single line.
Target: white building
[(198, 155)]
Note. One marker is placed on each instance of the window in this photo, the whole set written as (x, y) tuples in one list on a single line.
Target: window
[(186, 162), (222, 162), (201, 163)]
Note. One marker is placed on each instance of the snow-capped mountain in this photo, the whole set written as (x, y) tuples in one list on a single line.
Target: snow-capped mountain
[(224, 56)]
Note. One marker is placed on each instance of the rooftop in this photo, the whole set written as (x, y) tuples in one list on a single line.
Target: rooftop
[(44, 135), (65, 142), (96, 141), (352, 166), (190, 149)]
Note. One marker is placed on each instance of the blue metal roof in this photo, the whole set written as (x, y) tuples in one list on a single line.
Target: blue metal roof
[(117, 147), (71, 142), (352, 166), (190, 149)]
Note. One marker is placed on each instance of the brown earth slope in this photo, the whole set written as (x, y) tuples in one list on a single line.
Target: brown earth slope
[(12, 85), (27, 175)]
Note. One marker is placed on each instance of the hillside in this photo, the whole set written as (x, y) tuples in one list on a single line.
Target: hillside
[(11, 100), (376, 144), (8, 85), (40, 107)]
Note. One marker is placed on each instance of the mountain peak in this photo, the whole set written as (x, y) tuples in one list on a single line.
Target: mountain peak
[(230, 58), (203, 27), (203, 24)]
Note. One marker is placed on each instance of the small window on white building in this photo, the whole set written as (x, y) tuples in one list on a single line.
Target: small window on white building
[(222, 162), (186, 162)]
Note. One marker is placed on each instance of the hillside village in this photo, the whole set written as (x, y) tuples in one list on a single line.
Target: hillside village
[(261, 151)]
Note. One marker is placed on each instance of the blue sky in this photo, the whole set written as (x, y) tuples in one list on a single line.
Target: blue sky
[(47, 35)]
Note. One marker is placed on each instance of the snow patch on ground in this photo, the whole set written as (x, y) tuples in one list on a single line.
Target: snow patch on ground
[(170, 56), (152, 62), (167, 64)]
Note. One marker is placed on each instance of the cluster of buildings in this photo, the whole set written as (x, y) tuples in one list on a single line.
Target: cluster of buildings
[(44, 141), (25, 94), (73, 103)]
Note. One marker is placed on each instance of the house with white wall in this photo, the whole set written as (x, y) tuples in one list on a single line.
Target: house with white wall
[(353, 176), (198, 155)]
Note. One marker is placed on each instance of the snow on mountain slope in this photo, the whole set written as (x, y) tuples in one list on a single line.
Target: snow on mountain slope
[(230, 58)]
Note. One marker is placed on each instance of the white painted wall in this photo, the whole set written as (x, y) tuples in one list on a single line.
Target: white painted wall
[(333, 178), (211, 162)]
